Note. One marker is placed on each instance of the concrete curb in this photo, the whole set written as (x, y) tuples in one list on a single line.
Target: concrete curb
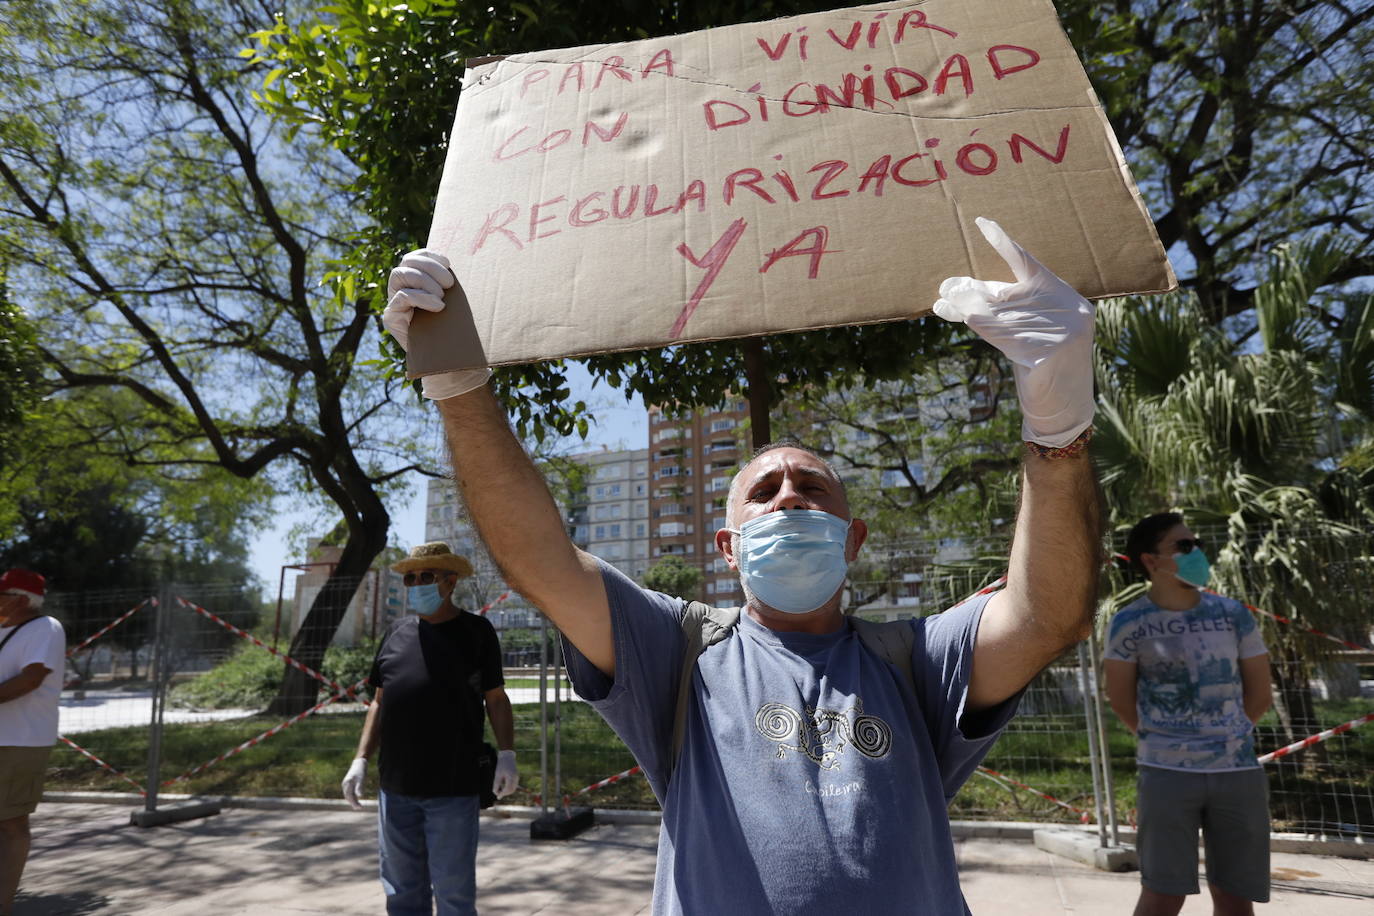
[(1086, 848), (286, 803), (1295, 843), (1298, 844)]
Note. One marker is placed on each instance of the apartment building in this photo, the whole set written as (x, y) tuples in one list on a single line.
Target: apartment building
[(446, 521), (609, 517), (378, 601), (692, 458)]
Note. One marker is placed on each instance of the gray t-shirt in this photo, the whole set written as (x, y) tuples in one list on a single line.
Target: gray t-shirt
[(811, 780)]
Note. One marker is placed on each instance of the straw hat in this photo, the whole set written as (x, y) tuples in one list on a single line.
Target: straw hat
[(434, 555)]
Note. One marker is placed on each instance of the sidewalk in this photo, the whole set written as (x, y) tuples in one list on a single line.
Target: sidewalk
[(87, 860)]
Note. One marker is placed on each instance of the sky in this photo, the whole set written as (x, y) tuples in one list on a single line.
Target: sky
[(618, 425)]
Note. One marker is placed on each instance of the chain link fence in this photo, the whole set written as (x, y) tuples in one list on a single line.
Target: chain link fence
[(178, 693)]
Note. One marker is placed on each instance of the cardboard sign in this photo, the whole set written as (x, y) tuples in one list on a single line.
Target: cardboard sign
[(801, 173)]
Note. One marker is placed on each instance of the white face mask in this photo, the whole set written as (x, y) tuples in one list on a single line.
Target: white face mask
[(793, 560)]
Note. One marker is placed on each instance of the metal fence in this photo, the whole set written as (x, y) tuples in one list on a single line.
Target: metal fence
[(176, 693)]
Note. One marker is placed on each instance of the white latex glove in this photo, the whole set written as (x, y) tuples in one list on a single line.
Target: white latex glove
[(353, 782), (1043, 326), (507, 778), (418, 282)]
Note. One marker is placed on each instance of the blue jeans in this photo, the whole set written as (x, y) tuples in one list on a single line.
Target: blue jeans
[(424, 843)]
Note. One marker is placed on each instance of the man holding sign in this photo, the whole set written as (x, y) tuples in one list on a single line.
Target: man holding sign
[(810, 772)]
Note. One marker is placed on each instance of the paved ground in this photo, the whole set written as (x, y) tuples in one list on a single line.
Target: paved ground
[(117, 708), (87, 860)]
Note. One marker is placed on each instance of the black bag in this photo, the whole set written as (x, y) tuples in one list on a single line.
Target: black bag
[(486, 771)]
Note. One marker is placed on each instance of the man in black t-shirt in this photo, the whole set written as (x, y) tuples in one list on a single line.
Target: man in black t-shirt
[(433, 675)]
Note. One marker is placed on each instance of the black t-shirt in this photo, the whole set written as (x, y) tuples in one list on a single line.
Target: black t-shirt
[(434, 677)]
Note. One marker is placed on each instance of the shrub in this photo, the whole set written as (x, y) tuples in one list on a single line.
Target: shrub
[(251, 677)]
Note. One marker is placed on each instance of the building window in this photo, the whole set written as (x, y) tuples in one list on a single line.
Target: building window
[(600, 532)]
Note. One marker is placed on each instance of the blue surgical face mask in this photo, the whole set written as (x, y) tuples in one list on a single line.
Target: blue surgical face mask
[(1193, 567), (793, 559), (425, 600)]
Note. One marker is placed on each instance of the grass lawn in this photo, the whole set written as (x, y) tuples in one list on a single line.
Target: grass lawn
[(534, 683), (1333, 785)]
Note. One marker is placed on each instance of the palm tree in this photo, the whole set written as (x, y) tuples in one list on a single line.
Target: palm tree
[(1264, 434)]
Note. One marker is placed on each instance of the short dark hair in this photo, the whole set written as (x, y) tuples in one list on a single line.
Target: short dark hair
[(777, 444), (1146, 535)]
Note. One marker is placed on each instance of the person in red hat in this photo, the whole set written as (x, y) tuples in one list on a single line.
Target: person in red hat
[(32, 651)]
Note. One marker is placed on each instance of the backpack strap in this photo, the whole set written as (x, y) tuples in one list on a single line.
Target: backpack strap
[(892, 641), (702, 626), (17, 627)]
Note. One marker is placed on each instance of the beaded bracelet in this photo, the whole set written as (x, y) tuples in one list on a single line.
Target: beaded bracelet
[(1077, 446)]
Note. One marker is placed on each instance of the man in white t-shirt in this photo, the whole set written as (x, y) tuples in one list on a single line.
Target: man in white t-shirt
[(32, 651)]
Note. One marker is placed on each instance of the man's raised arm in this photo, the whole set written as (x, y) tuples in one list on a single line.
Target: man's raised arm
[(506, 497), (510, 504), (1046, 329)]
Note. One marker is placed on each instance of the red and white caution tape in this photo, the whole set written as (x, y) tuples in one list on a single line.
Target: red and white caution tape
[(1319, 737), (98, 762), (252, 742), (1002, 779), (991, 588), (491, 604), (331, 684), (608, 781), (1297, 626), (110, 626)]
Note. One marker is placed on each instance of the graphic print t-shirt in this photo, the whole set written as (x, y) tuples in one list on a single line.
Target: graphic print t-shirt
[(1188, 689), (812, 779)]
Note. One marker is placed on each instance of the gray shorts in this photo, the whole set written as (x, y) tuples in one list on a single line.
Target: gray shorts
[(1231, 808)]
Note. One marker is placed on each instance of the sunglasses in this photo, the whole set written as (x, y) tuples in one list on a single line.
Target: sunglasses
[(1186, 545), (425, 577)]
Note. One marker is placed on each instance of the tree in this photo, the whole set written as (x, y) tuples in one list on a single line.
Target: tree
[(1246, 124), (107, 534), (673, 575), (171, 243), (925, 456), (1255, 440), (19, 377)]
